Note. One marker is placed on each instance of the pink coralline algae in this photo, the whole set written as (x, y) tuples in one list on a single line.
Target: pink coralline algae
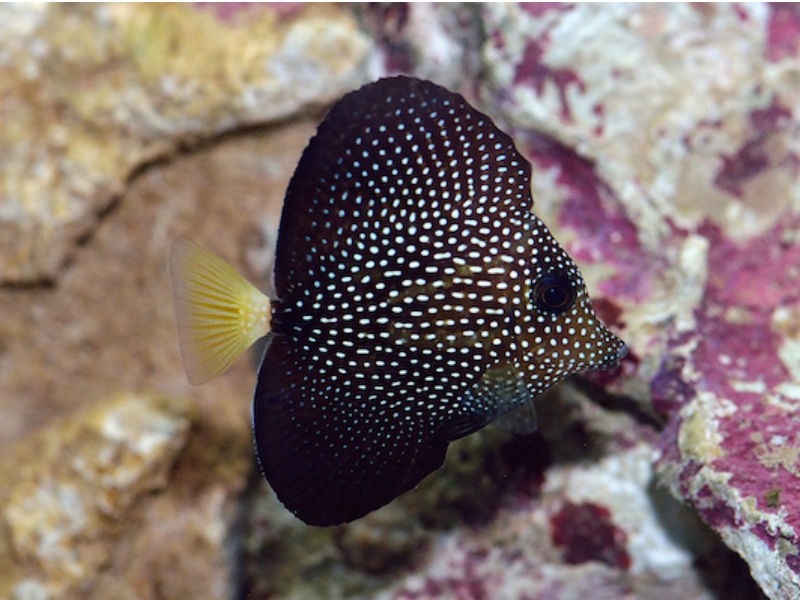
[(753, 157), (736, 383), (233, 12), (783, 40), (536, 73), (585, 533), (677, 174)]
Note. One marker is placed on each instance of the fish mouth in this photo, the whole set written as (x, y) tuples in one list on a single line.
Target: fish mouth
[(614, 361), (611, 360)]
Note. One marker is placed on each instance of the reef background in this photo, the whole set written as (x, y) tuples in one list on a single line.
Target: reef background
[(665, 141)]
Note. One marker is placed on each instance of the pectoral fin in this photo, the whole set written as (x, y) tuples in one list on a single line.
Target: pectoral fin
[(500, 391)]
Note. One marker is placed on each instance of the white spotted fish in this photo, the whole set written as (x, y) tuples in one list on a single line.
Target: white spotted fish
[(418, 299)]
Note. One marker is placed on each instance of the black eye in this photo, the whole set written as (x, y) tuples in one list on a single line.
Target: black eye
[(554, 293)]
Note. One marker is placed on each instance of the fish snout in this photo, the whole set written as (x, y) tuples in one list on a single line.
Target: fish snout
[(619, 352)]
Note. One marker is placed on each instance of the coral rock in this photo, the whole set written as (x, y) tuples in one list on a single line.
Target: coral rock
[(672, 134), (70, 488), (91, 93)]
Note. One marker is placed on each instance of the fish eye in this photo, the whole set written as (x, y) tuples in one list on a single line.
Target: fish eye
[(554, 293)]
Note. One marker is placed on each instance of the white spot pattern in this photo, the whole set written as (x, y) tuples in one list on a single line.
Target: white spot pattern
[(409, 265)]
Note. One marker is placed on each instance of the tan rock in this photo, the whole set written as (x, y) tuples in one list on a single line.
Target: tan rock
[(91, 93), (72, 487)]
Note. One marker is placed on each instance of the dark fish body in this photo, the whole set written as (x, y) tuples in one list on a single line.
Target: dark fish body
[(418, 299)]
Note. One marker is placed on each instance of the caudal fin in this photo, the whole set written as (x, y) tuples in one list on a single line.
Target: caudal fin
[(219, 313)]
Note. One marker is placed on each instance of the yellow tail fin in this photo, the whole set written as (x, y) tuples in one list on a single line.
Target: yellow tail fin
[(219, 313)]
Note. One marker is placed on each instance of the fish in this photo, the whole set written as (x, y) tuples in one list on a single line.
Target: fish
[(417, 298)]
